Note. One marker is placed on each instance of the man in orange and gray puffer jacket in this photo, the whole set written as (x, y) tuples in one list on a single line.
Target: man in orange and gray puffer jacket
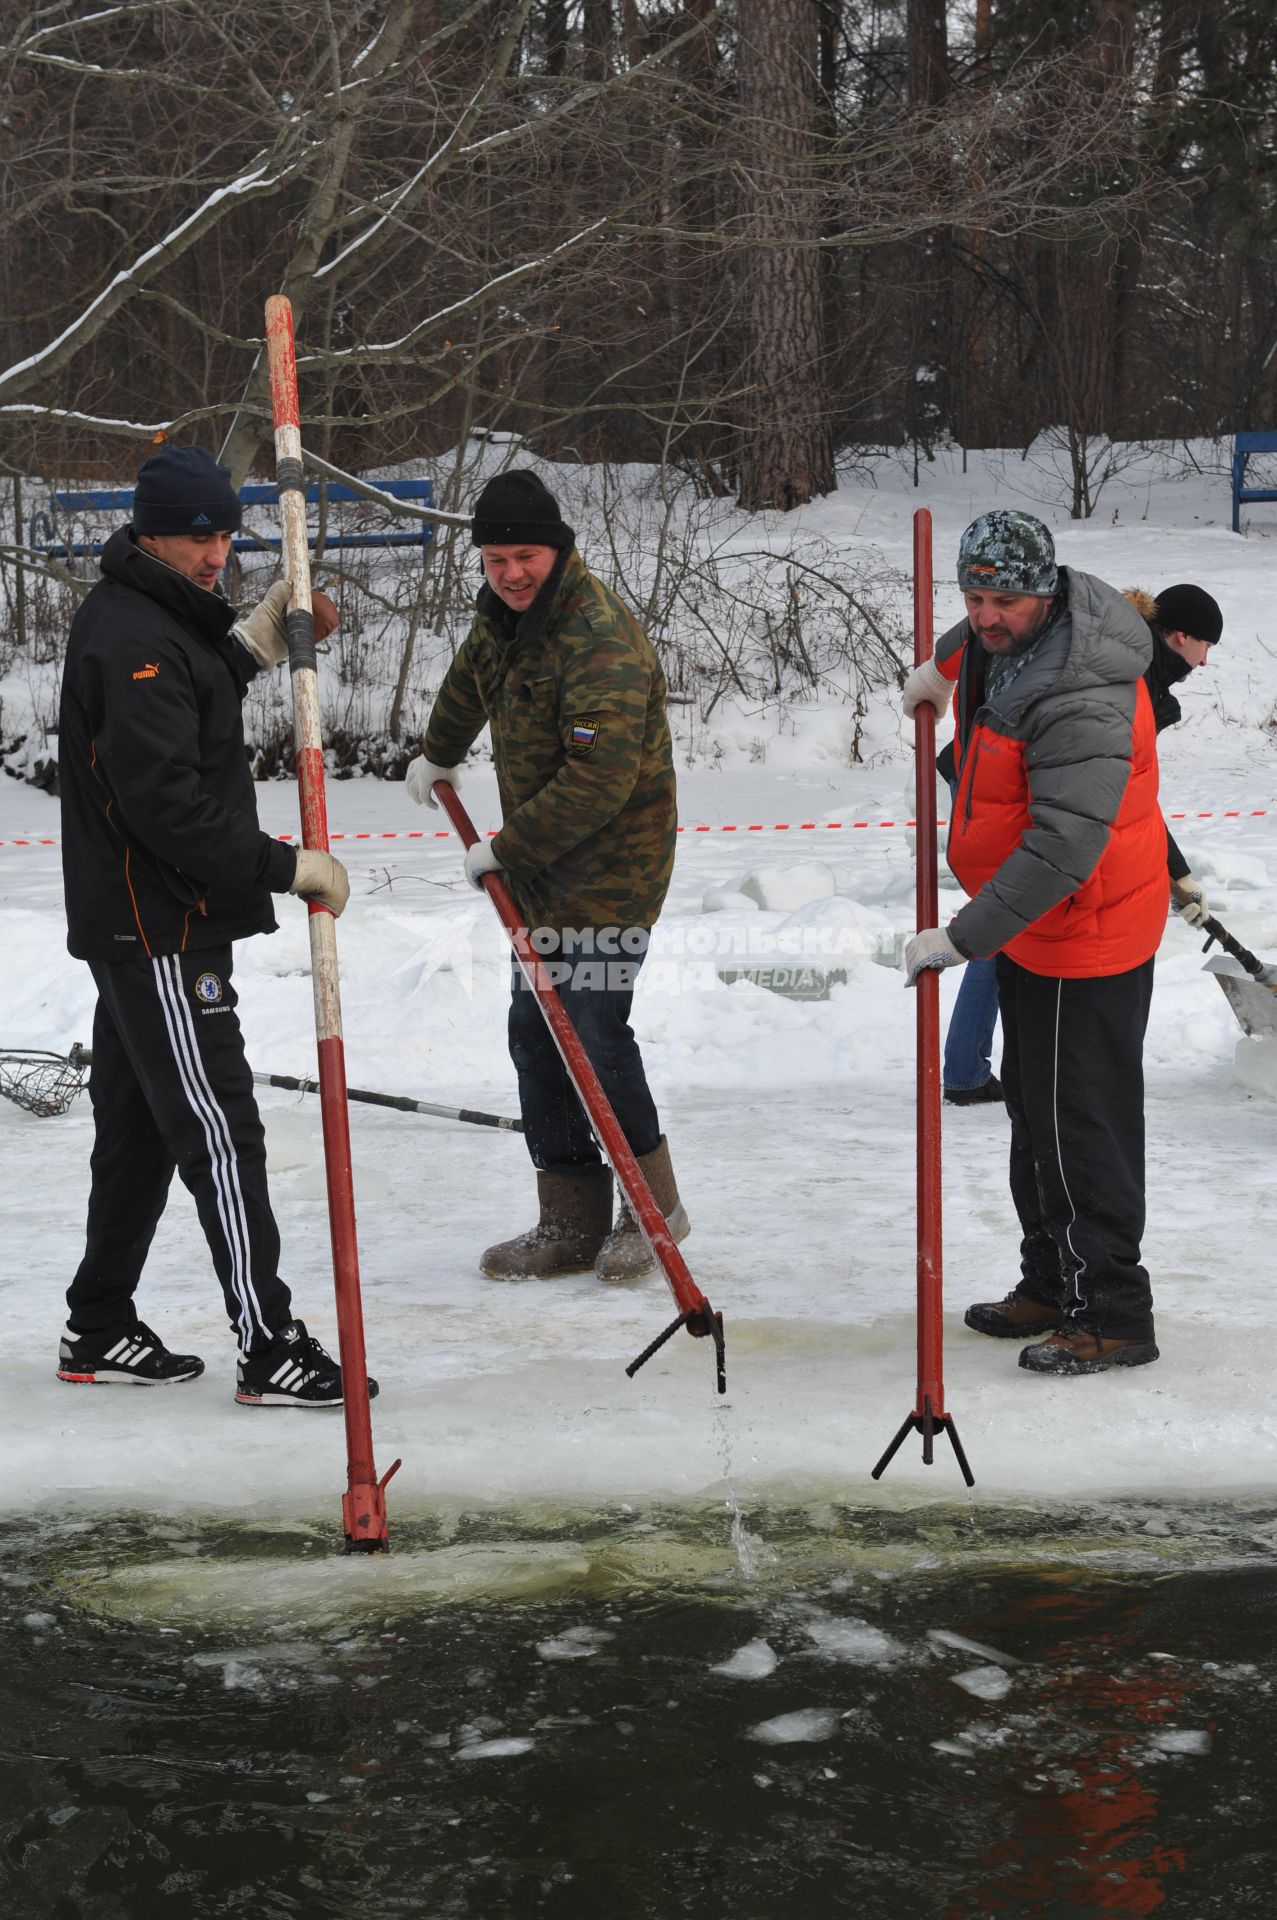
[(1057, 839)]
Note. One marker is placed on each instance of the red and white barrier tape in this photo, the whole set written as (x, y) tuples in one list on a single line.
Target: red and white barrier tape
[(775, 826)]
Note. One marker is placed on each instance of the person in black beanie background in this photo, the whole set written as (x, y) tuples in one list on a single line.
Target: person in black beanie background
[(1185, 623), (164, 867)]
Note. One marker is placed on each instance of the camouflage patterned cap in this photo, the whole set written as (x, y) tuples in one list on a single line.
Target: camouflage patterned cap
[(1007, 553)]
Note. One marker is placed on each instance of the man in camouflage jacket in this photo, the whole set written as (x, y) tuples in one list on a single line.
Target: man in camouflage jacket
[(572, 690)]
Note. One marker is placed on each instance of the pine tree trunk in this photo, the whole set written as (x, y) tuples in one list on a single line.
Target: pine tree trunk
[(786, 450)]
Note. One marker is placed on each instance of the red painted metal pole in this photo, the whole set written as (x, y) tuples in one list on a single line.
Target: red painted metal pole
[(930, 1241), (695, 1312), (364, 1503), (929, 1415)]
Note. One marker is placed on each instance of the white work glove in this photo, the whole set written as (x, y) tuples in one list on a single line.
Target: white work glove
[(320, 876), (927, 683), (421, 776), (481, 858), (1188, 900), (262, 630), (930, 949)]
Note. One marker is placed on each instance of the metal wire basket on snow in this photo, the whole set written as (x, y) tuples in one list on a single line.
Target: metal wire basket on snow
[(42, 1083)]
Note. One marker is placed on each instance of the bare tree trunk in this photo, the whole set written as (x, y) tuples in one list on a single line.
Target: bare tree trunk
[(786, 452), (929, 370)]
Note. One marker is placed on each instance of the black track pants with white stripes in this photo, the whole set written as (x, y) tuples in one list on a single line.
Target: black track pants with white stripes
[(1073, 1076), (171, 1089)]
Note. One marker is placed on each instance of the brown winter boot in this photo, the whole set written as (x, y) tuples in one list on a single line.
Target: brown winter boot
[(576, 1213), (625, 1255)]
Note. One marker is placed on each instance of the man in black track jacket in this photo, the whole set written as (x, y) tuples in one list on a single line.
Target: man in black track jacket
[(164, 866)]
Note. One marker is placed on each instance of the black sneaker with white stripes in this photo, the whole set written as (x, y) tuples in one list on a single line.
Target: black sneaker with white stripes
[(293, 1371), (133, 1358)]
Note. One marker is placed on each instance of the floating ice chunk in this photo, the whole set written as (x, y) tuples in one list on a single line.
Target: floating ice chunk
[(575, 1643), (783, 889), (788, 1729), (1182, 1740), (754, 1661), (986, 1683), (943, 1637), (495, 1749), (855, 1642)]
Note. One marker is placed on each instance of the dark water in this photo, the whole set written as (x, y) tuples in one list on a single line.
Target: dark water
[(519, 1717)]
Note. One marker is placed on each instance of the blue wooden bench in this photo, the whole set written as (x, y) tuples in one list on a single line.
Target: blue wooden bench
[(1244, 444), (42, 531)]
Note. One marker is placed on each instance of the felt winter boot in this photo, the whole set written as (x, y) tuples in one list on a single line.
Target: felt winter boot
[(576, 1213), (625, 1255)]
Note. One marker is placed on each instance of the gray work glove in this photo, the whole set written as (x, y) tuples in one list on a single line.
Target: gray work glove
[(930, 949), (481, 858), (421, 776), (927, 683), (1188, 900), (262, 630), (320, 876)]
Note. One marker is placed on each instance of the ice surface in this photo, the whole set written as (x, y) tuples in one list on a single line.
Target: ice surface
[(791, 1125)]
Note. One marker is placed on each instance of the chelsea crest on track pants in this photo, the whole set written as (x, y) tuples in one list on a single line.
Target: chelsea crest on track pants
[(172, 1090)]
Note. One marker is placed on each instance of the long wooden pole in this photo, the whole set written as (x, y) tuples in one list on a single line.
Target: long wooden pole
[(364, 1503)]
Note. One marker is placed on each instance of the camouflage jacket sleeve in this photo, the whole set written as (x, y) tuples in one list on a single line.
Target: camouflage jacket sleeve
[(458, 716), (602, 717)]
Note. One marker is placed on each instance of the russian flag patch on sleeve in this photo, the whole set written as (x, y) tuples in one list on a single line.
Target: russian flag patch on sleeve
[(585, 735)]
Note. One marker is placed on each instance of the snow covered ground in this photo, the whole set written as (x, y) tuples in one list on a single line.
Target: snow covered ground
[(791, 1125)]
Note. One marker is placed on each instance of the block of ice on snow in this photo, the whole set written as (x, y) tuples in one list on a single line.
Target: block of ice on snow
[(783, 889), (727, 900)]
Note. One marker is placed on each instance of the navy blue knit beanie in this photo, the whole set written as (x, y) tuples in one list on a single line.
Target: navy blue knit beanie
[(518, 509), (183, 490)]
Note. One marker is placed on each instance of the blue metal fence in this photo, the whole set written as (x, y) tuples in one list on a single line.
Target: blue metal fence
[(42, 530)]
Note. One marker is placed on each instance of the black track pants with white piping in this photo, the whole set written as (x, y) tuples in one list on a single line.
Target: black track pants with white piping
[(1073, 1077), (172, 1091)]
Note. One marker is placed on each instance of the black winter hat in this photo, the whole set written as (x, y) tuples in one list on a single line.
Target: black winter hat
[(183, 490), (519, 509), (1190, 610)]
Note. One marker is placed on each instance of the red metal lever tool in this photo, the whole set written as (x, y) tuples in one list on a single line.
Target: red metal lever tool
[(695, 1312)]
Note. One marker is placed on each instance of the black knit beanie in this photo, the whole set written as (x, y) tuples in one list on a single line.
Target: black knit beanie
[(183, 490), (1190, 610), (518, 509)]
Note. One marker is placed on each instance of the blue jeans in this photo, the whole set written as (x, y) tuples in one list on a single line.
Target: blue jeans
[(597, 996), (968, 1045)]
